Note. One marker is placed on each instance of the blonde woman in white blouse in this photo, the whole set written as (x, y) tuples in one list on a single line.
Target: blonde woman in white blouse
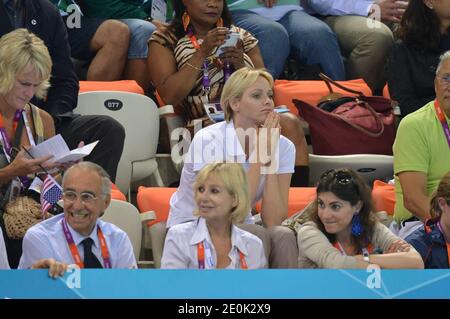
[(212, 240)]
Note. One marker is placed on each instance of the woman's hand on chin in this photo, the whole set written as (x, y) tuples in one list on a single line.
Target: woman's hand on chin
[(268, 137)]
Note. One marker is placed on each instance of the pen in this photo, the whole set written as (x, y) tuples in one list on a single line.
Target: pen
[(32, 157)]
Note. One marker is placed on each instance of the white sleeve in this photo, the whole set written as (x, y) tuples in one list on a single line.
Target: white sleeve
[(35, 246), (286, 156), (3, 256), (125, 253), (174, 252)]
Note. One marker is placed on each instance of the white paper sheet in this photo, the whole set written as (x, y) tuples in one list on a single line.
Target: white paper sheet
[(57, 147)]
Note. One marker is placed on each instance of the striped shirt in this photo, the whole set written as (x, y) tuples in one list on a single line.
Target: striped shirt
[(183, 50)]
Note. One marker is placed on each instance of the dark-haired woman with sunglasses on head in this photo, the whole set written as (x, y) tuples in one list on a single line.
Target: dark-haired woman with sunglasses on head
[(340, 231)]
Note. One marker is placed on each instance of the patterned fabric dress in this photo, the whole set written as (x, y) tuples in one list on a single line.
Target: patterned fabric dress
[(183, 49)]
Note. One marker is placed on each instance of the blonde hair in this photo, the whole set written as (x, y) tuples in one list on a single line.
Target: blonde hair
[(233, 176), (443, 191), (21, 48), (238, 82)]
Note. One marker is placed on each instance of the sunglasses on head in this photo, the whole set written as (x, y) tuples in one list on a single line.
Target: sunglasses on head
[(342, 178)]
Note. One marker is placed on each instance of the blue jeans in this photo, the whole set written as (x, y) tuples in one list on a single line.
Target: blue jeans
[(306, 38), (140, 32)]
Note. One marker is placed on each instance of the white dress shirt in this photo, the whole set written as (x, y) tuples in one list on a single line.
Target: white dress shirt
[(219, 143), (180, 247), (46, 240), (3, 256)]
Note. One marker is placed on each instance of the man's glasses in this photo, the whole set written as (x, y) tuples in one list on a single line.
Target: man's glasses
[(86, 198), (445, 79)]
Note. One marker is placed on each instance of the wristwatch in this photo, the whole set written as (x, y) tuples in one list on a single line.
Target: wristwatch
[(366, 256)]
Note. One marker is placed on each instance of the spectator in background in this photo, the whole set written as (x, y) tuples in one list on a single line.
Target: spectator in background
[(104, 43), (284, 29), (341, 231), (423, 36), (433, 240), (142, 18), (247, 99), (212, 240), (366, 44), (177, 74), (422, 154), (78, 236), (180, 72), (43, 19)]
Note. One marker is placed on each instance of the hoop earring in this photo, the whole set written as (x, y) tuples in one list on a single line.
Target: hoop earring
[(186, 19), (219, 23), (357, 227)]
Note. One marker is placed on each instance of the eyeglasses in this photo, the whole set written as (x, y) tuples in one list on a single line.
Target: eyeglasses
[(86, 198), (445, 79)]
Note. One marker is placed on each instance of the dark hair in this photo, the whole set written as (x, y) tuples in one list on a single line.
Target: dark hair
[(443, 190), (348, 186), (176, 26), (420, 27)]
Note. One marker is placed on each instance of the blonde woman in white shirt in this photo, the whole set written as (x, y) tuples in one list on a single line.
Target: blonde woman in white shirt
[(212, 240), (247, 99)]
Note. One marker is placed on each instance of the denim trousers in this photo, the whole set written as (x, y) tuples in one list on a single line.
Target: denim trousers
[(307, 39), (140, 33)]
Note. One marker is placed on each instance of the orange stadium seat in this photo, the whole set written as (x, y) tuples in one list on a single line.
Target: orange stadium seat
[(155, 199), (117, 194), (124, 86), (383, 196), (312, 91), (299, 198)]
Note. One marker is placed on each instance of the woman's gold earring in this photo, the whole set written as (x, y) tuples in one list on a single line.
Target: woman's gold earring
[(186, 19)]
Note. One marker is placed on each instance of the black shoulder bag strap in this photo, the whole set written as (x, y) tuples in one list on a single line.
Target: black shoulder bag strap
[(15, 147)]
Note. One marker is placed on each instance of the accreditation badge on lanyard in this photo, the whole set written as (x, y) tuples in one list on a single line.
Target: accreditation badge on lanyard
[(441, 116), (15, 188), (159, 10)]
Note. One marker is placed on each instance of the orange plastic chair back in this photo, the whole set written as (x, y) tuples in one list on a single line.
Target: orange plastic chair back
[(124, 85), (312, 91), (156, 199)]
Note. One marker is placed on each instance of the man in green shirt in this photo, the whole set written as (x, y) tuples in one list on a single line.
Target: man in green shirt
[(422, 154)]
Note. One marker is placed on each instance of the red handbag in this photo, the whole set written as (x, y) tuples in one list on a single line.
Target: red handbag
[(349, 125)]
